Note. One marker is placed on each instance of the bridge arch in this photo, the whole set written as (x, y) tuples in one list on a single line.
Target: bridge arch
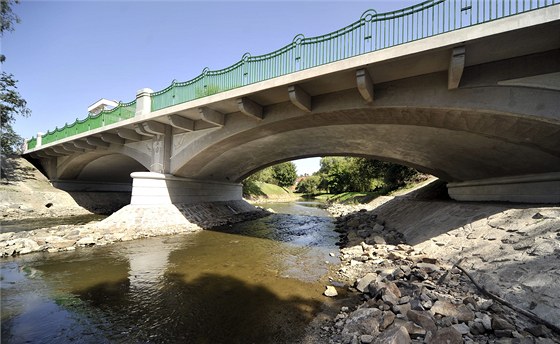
[(462, 138), (104, 166)]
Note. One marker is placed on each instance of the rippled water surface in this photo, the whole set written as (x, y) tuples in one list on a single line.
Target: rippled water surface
[(256, 282)]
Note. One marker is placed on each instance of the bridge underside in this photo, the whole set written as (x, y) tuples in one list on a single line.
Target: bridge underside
[(453, 145)]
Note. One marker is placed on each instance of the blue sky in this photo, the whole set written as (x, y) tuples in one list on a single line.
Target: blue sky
[(69, 54)]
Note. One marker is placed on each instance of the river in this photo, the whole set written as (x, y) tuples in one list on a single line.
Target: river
[(259, 281)]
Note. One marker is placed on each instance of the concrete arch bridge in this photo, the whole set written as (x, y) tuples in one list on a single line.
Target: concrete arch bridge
[(477, 105)]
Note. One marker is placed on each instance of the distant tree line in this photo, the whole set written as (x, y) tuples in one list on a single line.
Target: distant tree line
[(348, 174), (284, 175), (337, 175)]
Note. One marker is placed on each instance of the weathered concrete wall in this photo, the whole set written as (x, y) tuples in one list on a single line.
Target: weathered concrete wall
[(542, 188), (151, 188)]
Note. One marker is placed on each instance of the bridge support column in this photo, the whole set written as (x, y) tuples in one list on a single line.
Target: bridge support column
[(534, 188), (150, 188)]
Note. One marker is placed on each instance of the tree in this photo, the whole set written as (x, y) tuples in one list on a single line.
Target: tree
[(309, 185), (265, 175), (361, 175), (12, 103), (285, 174), (337, 174)]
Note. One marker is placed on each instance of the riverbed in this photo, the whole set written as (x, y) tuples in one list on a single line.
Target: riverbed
[(259, 281)]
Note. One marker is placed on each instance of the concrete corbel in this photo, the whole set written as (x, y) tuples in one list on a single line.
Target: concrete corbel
[(299, 98), (83, 145), (250, 108), (112, 138), (69, 146), (456, 67), (139, 128), (364, 84), (96, 141), (155, 128), (51, 153), (43, 154), (180, 122), (61, 150), (212, 116), (128, 134)]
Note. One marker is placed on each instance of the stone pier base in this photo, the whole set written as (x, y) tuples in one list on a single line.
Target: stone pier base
[(175, 218), (533, 188)]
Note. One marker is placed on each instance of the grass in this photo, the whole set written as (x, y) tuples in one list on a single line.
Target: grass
[(349, 197), (271, 189), (366, 197), (260, 190)]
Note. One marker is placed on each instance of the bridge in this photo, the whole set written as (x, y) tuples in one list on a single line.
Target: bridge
[(468, 91)]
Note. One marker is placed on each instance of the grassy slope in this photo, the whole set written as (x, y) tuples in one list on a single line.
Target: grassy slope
[(260, 191), (366, 197), (349, 197)]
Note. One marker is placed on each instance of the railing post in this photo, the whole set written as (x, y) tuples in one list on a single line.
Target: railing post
[(143, 101), (39, 140)]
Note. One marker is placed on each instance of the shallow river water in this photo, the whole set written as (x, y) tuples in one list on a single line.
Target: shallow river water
[(256, 282)]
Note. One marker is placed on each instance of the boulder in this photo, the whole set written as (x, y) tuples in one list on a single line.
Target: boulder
[(330, 291), (422, 318), (445, 308), (499, 323), (447, 335), (363, 321), (363, 283), (395, 335)]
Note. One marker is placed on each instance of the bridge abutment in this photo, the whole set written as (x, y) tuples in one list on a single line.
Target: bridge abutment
[(533, 188), (150, 188)]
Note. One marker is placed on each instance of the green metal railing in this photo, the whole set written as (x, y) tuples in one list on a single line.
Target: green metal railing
[(120, 112), (371, 32), (32, 143)]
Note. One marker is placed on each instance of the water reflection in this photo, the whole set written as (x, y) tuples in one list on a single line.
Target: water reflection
[(259, 282)]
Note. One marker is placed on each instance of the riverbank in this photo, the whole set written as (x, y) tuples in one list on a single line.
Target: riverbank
[(27, 193), (28, 197), (127, 224), (398, 255)]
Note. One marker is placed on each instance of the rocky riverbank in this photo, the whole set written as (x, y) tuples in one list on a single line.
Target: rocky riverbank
[(398, 255), (129, 223), (27, 195)]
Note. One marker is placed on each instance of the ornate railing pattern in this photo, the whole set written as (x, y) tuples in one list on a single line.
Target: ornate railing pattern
[(92, 121), (32, 143), (371, 32)]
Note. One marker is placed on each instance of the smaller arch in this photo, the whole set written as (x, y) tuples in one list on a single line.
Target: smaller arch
[(106, 166), (114, 168)]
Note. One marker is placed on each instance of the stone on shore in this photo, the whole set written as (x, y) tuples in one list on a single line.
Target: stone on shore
[(330, 291)]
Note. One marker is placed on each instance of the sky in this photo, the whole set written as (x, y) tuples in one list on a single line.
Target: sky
[(66, 55)]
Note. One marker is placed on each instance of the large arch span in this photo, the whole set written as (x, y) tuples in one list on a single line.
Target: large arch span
[(453, 143)]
